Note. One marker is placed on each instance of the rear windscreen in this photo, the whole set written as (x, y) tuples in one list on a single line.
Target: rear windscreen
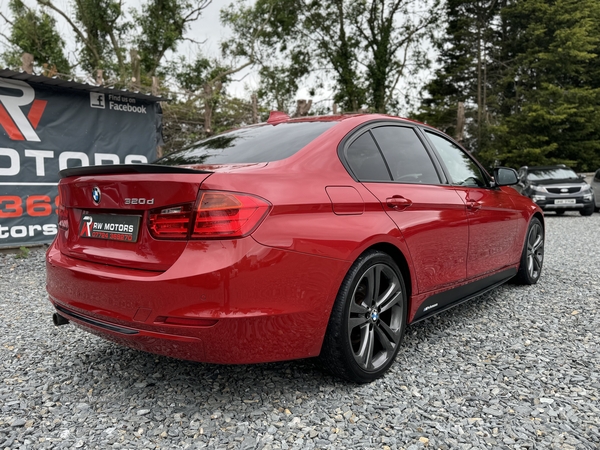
[(263, 143)]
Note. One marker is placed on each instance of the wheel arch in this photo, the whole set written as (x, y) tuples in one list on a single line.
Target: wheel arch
[(538, 215), (399, 258)]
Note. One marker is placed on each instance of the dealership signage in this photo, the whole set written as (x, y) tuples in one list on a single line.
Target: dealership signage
[(45, 129)]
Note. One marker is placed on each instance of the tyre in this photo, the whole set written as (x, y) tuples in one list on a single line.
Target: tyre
[(560, 212), (587, 211), (367, 321), (532, 257)]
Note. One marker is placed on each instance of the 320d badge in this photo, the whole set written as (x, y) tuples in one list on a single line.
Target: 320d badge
[(312, 237)]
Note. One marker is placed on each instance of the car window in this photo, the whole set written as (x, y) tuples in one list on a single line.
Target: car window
[(366, 161), (405, 155), (263, 143), (462, 169)]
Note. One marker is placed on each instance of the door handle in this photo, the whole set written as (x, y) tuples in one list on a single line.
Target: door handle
[(398, 202), (473, 205)]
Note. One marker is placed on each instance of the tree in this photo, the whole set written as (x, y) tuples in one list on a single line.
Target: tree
[(105, 33), (549, 98), (467, 72), (163, 26), (528, 72), (366, 48), (34, 31)]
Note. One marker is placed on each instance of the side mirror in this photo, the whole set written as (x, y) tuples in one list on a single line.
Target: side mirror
[(504, 176)]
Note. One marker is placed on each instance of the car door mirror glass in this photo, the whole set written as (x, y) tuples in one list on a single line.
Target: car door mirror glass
[(505, 176)]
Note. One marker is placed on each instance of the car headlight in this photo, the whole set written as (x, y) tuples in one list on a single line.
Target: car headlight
[(538, 188), (585, 188)]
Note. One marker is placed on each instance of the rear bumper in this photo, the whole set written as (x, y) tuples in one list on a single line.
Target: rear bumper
[(263, 304)]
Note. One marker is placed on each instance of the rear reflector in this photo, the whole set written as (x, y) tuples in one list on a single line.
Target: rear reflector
[(218, 214)]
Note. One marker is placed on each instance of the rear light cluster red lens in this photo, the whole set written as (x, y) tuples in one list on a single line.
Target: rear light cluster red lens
[(217, 214), (63, 217), (171, 223)]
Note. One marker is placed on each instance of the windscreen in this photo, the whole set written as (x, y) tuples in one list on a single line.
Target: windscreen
[(555, 173), (263, 143)]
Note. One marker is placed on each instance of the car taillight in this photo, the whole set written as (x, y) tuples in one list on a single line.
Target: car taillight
[(227, 214), (217, 214), (171, 223), (63, 217)]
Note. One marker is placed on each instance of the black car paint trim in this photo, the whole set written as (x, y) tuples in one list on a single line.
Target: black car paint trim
[(117, 169), (453, 297), (95, 323)]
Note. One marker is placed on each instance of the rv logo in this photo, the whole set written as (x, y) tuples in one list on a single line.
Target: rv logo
[(12, 118)]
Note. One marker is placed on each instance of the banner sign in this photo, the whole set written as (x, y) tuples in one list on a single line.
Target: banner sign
[(44, 129)]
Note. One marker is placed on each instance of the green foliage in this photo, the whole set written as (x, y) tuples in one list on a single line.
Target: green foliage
[(194, 76), (23, 253), (469, 37), (35, 32), (163, 25), (101, 26), (554, 101), (538, 97), (360, 49)]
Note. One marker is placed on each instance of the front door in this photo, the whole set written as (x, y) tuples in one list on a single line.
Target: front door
[(493, 221)]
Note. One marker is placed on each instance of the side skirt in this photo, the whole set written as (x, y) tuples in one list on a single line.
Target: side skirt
[(449, 299)]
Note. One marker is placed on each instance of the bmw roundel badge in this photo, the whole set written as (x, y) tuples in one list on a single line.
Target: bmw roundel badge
[(96, 195)]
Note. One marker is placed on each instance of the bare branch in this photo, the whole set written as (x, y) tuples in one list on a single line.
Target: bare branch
[(193, 41), (6, 37), (75, 28), (6, 19)]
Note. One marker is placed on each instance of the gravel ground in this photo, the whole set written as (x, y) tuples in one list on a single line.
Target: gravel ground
[(518, 368)]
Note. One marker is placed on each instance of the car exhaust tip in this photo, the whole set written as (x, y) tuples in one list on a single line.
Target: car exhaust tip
[(59, 320)]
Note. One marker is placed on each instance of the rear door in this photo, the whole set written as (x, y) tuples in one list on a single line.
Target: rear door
[(493, 219), (392, 162)]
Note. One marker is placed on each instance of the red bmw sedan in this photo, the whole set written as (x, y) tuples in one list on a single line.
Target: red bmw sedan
[(296, 238)]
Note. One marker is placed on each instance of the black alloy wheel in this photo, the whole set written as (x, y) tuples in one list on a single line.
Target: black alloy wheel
[(532, 257), (367, 321)]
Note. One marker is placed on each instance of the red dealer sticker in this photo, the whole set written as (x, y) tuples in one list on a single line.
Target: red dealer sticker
[(112, 227)]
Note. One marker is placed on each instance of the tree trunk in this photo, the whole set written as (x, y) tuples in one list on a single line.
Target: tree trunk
[(27, 60), (460, 122)]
